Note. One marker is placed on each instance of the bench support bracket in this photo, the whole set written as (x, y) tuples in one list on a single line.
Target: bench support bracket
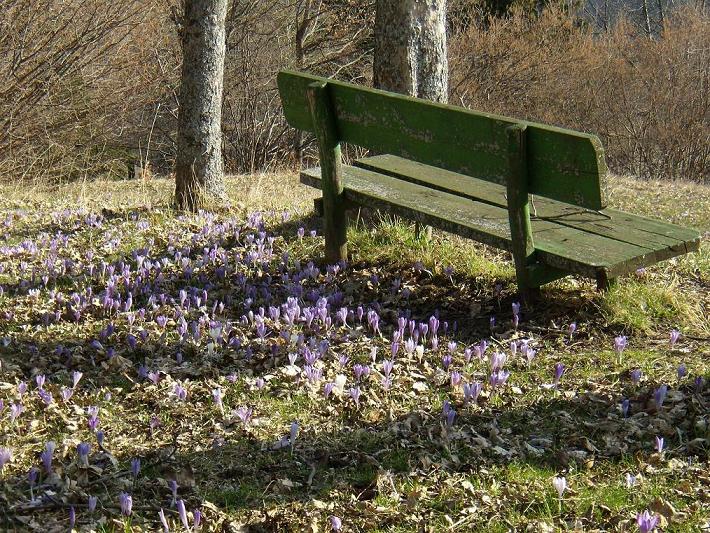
[(604, 282), (335, 221)]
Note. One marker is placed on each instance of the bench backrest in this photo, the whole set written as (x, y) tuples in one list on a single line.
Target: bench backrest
[(562, 164)]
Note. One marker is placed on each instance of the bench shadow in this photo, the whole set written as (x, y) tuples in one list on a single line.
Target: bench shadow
[(244, 470)]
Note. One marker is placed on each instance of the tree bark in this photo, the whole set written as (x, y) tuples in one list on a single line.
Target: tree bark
[(646, 18), (199, 169), (410, 48)]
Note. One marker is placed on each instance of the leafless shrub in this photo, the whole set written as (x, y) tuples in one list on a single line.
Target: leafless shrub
[(56, 62), (647, 98), (89, 87)]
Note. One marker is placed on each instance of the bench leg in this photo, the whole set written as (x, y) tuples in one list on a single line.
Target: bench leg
[(318, 207), (529, 295), (604, 282), (335, 219), (422, 231), (522, 246)]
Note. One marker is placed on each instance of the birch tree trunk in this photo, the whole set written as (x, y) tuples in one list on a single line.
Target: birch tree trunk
[(410, 48), (646, 18), (199, 169)]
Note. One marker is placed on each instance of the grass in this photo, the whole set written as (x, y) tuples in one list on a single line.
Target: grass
[(389, 464)]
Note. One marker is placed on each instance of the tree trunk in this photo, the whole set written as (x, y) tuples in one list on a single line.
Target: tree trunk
[(410, 48), (646, 18), (199, 170)]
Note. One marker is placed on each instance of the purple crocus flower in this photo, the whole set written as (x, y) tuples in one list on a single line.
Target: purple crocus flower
[(100, 438), (126, 502), (173, 486), (67, 393), (21, 388), (498, 359), (15, 411), (93, 422), (46, 396), (163, 521), (446, 361), (446, 407), (529, 353), (450, 416), (135, 467), (682, 371), (293, 434), (336, 524), (674, 336), (659, 444), (93, 500), (355, 395), (699, 383), (260, 383), (559, 370), (196, 519), (183, 514), (659, 396), (387, 366), (76, 376), (132, 341), (625, 404), (40, 380), (47, 455), (72, 517), (5, 457), (96, 345), (516, 308), (572, 328), (646, 521), (620, 343), (455, 378), (180, 392), (32, 476), (217, 397), (83, 450), (498, 378), (244, 414), (467, 355), (480, 350), (361, 371), (471, 392), (635, 376)]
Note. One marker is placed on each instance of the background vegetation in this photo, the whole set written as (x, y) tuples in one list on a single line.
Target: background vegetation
[(90, 87)]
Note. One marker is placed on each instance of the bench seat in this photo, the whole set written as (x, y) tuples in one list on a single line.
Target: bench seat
[(569, 239)]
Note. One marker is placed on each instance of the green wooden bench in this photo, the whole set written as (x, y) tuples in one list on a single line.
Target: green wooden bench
[(534, 190)]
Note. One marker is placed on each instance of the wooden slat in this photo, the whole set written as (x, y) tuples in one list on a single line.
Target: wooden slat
[(563, 164), (667, 240), (563, 247)]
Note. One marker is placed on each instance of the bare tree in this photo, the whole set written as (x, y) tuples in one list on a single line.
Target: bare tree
[(199, 169), (646, 19), (410, 48)]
